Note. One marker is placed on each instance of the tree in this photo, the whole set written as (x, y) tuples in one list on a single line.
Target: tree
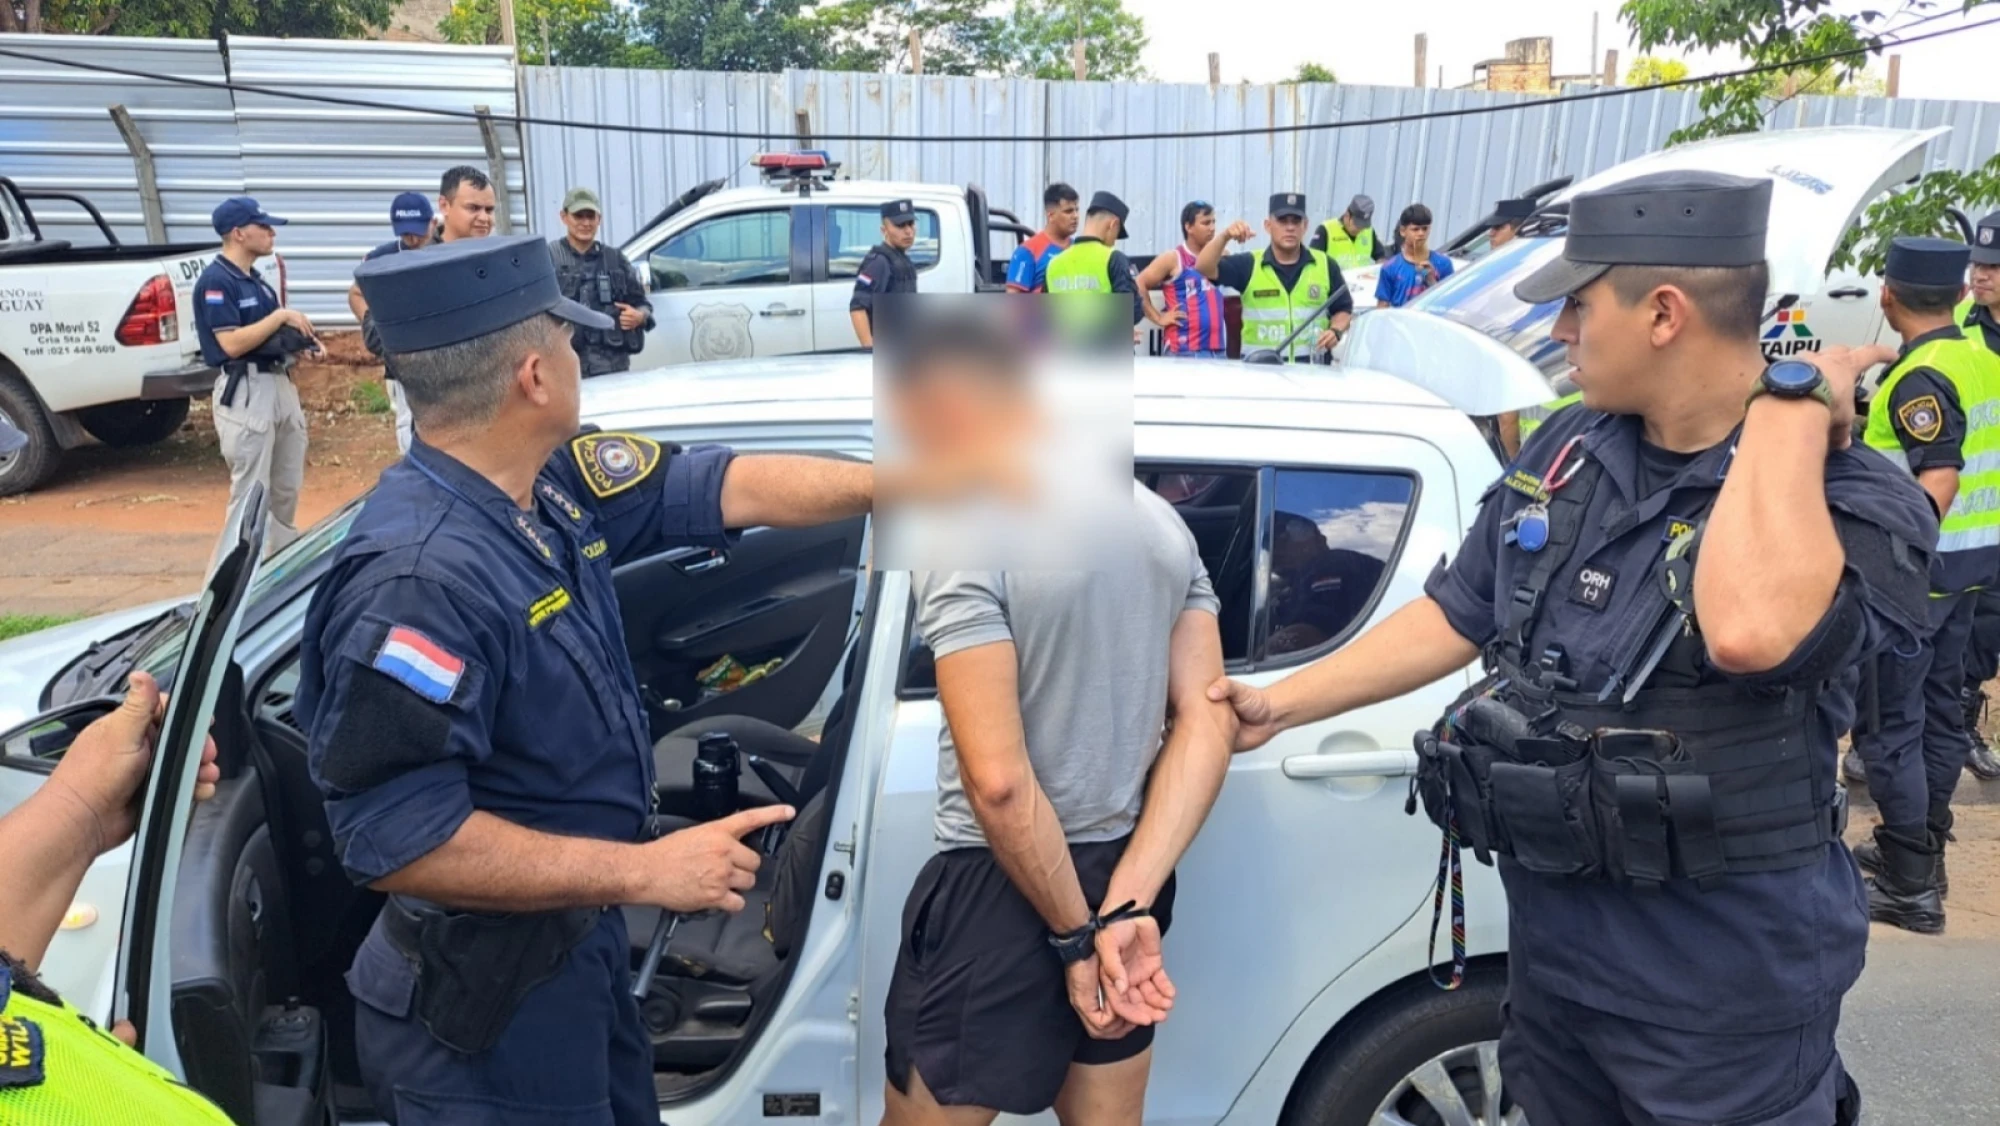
[(1039, 35), (1650, 71), (1313, 72), (757, 35), (196, 19), (571, 32), (1774, 32), (1030, 40)]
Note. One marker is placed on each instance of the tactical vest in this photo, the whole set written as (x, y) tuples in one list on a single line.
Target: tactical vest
[(1271, 312), (57, 1067), (1349, 252), (1632, 784), (1533, 417), (1974, 519)]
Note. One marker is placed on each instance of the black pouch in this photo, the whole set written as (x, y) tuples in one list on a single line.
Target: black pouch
[(1630, 790), (473, 971), (1548, 817), (1468, 774)]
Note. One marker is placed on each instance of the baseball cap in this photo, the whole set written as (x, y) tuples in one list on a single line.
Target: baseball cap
[(241, 211), (410, 214), (581, 199)]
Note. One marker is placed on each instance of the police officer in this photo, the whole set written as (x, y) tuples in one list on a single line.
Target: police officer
[(1505, 222), (1653, 754), (472, 715), (1936, 415), (1982, 661), (1094, 268), (410, 220), (1350, 239), (1286, 286), (887, 268), (244, 332), (598, 277)]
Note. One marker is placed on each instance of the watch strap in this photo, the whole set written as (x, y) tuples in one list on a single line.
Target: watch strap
[(1821, 391)]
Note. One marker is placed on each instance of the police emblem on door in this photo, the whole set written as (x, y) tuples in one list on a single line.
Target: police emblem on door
[(721, 332)]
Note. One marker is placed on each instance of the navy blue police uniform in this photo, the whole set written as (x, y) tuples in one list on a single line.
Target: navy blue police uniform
[(1683, 919), (464, 653), (885, 269)]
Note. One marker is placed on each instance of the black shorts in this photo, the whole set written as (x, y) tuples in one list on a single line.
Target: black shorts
[(978, 1003)]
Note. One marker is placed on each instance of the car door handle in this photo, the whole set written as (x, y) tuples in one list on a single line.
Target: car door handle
[(781, 311), (695, 560), (1351, 764), (1850, 291)]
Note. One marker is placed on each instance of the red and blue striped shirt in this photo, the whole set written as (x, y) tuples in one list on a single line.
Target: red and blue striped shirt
[(1200, 302)]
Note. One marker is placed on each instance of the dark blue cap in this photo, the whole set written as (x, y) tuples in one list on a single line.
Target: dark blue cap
[(462, 290), (1663, 219), (410, 214), (1927, 261), (241, 211), (899, 211), (1986, 241)]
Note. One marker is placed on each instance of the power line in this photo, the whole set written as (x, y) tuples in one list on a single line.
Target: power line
[(1879, 43)]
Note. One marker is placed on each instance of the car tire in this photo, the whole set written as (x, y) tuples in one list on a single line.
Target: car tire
[(139, 422), (30, 465), (1409, 1059)]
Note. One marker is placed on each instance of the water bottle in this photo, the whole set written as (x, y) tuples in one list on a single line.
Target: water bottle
[(717, 767)]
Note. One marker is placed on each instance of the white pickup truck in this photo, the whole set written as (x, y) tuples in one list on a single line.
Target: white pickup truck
[(94, 340)]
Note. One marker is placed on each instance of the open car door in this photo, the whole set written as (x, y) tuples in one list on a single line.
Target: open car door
[(143, 987)]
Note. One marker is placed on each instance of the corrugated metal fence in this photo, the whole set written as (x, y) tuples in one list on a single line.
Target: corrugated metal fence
[(329, 170), (1458, 166)]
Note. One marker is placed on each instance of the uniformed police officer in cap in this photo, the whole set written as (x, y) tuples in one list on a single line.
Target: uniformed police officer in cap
[(887, 269), (1505, 222), (472, 716), (1653, 754), (1982, 660), (1936, 416), (1288, 286)]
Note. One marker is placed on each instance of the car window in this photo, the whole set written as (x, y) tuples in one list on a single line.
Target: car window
[(1481, 296), (750, 248), (851, 232), (1334, 534)]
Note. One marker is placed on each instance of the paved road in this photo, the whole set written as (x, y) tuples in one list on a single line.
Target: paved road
[(1921, 1032)]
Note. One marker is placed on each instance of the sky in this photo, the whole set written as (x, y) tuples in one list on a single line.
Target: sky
[(1373, 43)]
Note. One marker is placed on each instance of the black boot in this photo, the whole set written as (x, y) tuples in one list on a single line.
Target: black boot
[(1939, 823), (1983, 761), (1905, 893)]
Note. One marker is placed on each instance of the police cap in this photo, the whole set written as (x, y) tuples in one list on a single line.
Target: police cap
[(1664, 219), (1510, 211), (458, 291), (1109, 204), (1288, 205), (1926, 261), (1362, 208), (241, 211), (1986, 241), (900, 212)]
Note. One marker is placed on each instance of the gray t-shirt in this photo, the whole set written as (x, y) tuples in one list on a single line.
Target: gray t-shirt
[(1092, 657)]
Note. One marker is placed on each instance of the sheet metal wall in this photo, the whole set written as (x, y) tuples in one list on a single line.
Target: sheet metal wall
[(1458, 166)]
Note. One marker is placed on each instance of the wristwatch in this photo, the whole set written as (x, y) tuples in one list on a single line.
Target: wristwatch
[(1793, 379)]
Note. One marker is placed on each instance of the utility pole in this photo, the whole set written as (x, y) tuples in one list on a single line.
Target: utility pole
[(1895, 75), (507, 22), (1423, 43), (1215, 68), (1611, 67), (916, 52), (1077, 51), (1593, 37)]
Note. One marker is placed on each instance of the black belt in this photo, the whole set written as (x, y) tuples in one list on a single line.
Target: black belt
[(237, 370)]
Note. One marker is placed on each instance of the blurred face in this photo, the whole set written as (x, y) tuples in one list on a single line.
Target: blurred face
[(1286, 233), (1063, 219), (1612, 346), (1416, 239), (582, 226), (957, 407), (1201, 231), (1502, 235), (902, 236), (467, 213), (1986, 285)]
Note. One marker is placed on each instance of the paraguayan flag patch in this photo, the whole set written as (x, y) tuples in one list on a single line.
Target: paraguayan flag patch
[(213, 297), (418, 662)]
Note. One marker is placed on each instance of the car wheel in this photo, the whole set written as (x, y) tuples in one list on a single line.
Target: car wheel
[(1431, 1058), (31, 464), (140, 422)]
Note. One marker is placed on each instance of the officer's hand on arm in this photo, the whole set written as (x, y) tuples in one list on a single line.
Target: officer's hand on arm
[(1756, 606), (88, 805), (704, 868)]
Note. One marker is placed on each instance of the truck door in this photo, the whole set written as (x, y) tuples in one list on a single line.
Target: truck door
[(729, 287)]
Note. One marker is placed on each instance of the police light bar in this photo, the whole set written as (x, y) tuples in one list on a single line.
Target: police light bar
[(802, 160)]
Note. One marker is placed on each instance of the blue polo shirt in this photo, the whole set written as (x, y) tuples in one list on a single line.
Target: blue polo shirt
[(226, 297), (1401, 280)]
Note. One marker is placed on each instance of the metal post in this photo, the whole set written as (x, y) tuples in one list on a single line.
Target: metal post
[(149, 183), (1214, 68), (496, 169), (1611, 67), (804, 121), (1423, 44)]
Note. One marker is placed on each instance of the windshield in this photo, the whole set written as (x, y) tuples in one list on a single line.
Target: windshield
[(1481, 296)]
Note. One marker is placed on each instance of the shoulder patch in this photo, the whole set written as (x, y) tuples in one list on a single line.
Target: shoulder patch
[(548, 606), (612, 463), (21, 1050), (419, 664), (1922, 417)]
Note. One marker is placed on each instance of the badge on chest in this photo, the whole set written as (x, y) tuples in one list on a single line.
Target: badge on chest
[(1592, 586)]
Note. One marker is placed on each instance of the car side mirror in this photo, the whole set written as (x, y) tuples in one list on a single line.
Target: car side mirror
[(41, 742)]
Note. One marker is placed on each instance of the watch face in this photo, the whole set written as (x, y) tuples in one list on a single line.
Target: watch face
[(1791, 375)]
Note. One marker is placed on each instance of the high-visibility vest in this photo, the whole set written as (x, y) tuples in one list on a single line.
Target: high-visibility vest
[(1533, 417), (1271, 312), (57, 1067), (1962, 317), (1084, 268), (1974, 519), (1349, 252)]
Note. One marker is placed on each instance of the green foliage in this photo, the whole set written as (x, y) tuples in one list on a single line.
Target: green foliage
[(1037, 40), (1646, 70), (1313, 72), (1030, 40), (197, 19), (570, 32), (753, 35), (16, 625), (369, 397), (1920, 209)]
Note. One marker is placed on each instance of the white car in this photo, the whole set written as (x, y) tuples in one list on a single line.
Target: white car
[(1302, 945)]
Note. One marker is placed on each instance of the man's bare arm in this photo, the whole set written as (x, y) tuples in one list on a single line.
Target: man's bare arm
[(863, 331), (791, 491), (1158, 270), (356, 304), (979, 690), (1189, 772)]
